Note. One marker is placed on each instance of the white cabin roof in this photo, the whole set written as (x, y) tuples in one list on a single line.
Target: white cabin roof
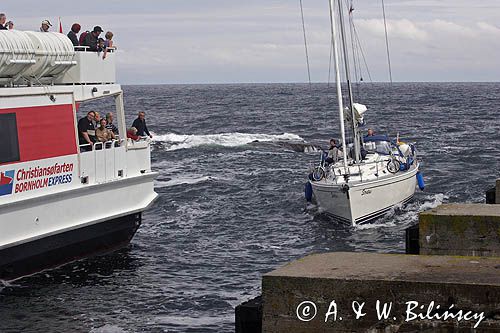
[(30, 58)]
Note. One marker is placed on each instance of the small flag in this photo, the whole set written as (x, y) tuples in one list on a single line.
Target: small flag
[(60, 25)]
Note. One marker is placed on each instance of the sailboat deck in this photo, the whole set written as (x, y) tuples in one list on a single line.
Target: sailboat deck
[(373, 168)]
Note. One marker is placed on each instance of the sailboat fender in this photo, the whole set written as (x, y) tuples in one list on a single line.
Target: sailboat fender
[(308, 191), (420, 181)]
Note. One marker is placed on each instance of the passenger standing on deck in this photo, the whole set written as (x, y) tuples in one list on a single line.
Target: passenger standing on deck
[(86, 131), (91, 39), (108, 43), (140, 124), (3, 19), (333, 152), (45, 26), (72, 34), (110, 125)]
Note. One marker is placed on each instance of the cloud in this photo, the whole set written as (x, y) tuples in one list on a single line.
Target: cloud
[(180, 41), (488, 28), (452, 28), (404, 29)]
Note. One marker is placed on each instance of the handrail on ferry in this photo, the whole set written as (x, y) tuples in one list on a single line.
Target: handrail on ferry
[(106, 145), (83, 48)]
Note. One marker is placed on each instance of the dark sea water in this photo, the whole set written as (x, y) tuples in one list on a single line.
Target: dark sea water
[(231, 209)]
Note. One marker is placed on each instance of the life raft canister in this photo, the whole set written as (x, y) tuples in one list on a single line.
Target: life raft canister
[(420, 181), (308, 191)]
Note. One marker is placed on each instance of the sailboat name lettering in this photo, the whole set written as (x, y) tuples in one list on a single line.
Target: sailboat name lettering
[(366, 192)]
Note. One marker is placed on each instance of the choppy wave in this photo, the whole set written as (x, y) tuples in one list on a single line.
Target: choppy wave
[(108, 328), (184, 181), (206, 241), (183, 141)]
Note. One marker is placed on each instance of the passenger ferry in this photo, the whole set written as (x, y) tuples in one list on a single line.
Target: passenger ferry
[(58, 202)]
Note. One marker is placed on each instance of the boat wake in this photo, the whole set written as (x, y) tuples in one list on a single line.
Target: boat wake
[(405, 215), (172, 141), (372, 236)]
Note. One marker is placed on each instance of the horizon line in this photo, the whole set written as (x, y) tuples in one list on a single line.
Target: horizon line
[(306, 83)]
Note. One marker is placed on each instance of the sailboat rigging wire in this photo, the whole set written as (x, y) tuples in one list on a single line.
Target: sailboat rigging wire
[(330, 65), (350, 8), (362, 53), (305, 42), (357, 47), (387, 42)]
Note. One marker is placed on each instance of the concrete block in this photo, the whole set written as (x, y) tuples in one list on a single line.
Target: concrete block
[(460, 229), (471, 285)]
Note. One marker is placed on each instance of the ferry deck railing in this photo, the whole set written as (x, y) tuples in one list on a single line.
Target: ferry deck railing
[(114, 159), (102, 161)]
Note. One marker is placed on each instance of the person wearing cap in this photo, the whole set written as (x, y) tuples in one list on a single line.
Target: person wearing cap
[(3, 19), (72, 34), (45, 26), (92, 38)]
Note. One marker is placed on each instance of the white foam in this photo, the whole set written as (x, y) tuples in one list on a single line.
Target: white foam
[(184, 180), (180, 141), (405, 214), (435, 201), (311, 149)]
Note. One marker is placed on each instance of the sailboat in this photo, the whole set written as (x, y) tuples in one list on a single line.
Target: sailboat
[(375, 173)]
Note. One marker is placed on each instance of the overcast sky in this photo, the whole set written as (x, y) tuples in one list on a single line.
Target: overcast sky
[(224, 41)]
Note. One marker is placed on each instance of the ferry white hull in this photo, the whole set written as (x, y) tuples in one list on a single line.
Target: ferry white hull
[(51, 230), (364, 201)]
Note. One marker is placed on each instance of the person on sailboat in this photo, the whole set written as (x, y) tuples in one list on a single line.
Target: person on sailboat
[(370, 132), (333, 152)]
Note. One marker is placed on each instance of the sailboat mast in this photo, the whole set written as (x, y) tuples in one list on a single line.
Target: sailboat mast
[(349, 87), (337, 79)]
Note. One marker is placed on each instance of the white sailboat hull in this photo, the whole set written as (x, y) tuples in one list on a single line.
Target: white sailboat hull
[(364, 201)]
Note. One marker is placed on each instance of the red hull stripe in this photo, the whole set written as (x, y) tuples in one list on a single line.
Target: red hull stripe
[(45, 131)]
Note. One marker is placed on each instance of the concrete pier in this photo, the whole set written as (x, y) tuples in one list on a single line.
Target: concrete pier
[(298, 296), (460, 229)]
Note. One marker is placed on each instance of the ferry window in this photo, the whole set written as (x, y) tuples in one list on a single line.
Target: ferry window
[(9, 144)]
